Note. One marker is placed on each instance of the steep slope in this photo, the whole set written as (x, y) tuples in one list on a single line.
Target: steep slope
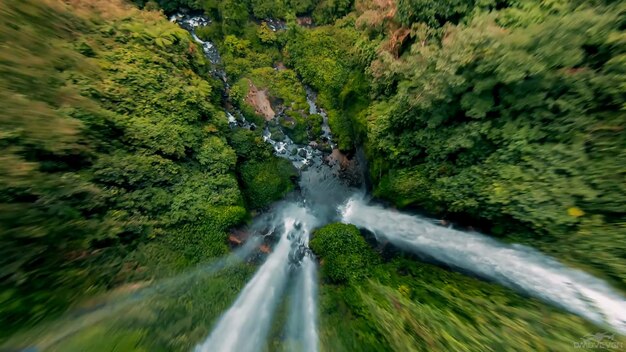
[(115, 162)]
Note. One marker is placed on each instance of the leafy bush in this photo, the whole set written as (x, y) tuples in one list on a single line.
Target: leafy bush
[(266, 181), (344, 254), (406, 304), (325, 63)]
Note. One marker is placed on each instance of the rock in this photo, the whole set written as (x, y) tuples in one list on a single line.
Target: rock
[(234, 240), (259, 100)]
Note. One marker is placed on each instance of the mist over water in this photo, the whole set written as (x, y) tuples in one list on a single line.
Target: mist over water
[(515, 266)]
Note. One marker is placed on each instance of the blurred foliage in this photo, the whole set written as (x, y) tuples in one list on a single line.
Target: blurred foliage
[(322, 11), (511, 120), (405, 305), (109, 139), (175, 318), (233, 14)]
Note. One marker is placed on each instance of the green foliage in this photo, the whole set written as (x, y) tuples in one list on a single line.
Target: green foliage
[(106, 144), (518, 126), (295, 126), (301, 7), (264, 182), (324, 62), (170, 5), (268, 8), (284, 91), (175, 318), (241, 55), (264, 178), (283, 86), (327, 11), (321, 57), (314, 125), (212, 32), (344, 254), (216, 156), (266, 35), (196, 242), (434, 12), (233, 14), (420, 314), (249, 145)]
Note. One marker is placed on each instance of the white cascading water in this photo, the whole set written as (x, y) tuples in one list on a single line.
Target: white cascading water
[(309, 293), (515, 266), (301, 329), (244, 326)]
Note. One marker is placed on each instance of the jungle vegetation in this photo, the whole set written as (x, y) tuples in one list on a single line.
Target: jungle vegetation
[(118, 164)]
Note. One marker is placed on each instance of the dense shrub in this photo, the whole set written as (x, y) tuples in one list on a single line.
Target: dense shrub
[(266, 181), (344, 254)]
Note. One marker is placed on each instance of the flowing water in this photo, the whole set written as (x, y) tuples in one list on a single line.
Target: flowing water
[(301, 329), (80, 320), (291, 266), (245, 325), (515, 266)]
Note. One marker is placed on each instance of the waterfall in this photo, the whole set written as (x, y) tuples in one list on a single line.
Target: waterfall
[(515, 266), (301, 328), (245, 324)]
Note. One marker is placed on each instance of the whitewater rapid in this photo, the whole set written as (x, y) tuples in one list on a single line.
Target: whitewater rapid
[(515, 266)]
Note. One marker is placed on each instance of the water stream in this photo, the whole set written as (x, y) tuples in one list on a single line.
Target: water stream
[(516, 266), (291, 264)]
